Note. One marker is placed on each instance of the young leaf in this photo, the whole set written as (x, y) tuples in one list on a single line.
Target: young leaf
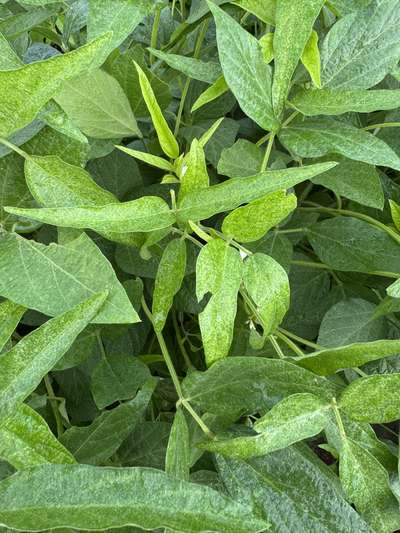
[(366, 485), (147, 213), (193, 175), (24, 366), (177, 459), (150, 159), (295, 418), (141, 497), (232, 193), (196, 69), (294, 22), (267, 284), (24, 91), (52, 181), (103, 112), (64, 275), (362, 47), (318, 137), (395, 211), (219, 272), (311, 58), (217, 89), (244, 68), (170, 274), (335, 102), (264, 10), (328, 361), (252, 221), (10, 315), (166, 138), (373, 399), (26, 441)]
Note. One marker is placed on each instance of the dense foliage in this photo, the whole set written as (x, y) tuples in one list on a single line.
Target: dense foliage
[(200, 265)]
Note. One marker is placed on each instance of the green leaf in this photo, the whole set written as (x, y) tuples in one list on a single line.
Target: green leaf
[(8, 58), (10, 315), (318, 137), (252, 221), (218, 272), (193, 173), (373, 250), (165, 136), (64, 276), (335, 102), (294, 22), (15, 25), (26, 441), (196, 69), (147, 213), (217, 89), (24, 91), (328, 361), (150, 159), (244, 68), (362, 47), (294, 489), (373, 399), (264, 10), (55, 183), (245, 385), (103, 112), (24, 366), (354, 180), (240, 160), (366, 485), (177, 459), (267, 284), (54, 116), (311, 58), (116, 378), (232, 193), (170, 274), (295, 418), (140, 497), (119, 16), (395, 211)]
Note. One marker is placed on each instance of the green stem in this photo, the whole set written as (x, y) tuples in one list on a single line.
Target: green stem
[(383, 125), (276, 346), (267, 154), (54, 405), (313, 264), (338, 419), (289, 343), (14, 147), (300, 339)]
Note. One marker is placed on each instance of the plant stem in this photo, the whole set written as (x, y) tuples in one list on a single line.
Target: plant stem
[(54, 405), (276, 346), (289, 343), (383, 125), (300, 339), (338, 419), (268, 151), (14, 147)]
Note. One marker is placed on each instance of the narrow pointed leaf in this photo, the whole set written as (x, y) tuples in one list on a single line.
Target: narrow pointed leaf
[(24, 91), (244, 68), (26, 440), (24, 366), (10, 315), (177, 459), (293, 26), (219, 272), (150, 159), (64, 275), (165, 136), (194, 175), (217, 89), (170, 274), (142, 497), (374, 399), (311, 58)]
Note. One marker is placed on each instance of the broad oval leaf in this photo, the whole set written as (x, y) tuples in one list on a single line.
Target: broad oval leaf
[(141, 497)]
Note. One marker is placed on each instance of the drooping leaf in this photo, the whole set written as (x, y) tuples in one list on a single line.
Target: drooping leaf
[(232, 193), (267, 284), (150, 159), (217, 89), (362, 47), (26, 441), (104, 111), (264, 9), (372, 399), (24, 91), (294, 22), (193, 175), (366, 484), (147, 213), (318, 137), (252, 221), (244, 68), (133, 496), (10, 315), (219, 272), (177, 459), (64, 275), (311, 58), (24, 366), (170, 274)]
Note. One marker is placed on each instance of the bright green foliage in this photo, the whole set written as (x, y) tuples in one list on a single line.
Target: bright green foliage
[(199, 266)]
